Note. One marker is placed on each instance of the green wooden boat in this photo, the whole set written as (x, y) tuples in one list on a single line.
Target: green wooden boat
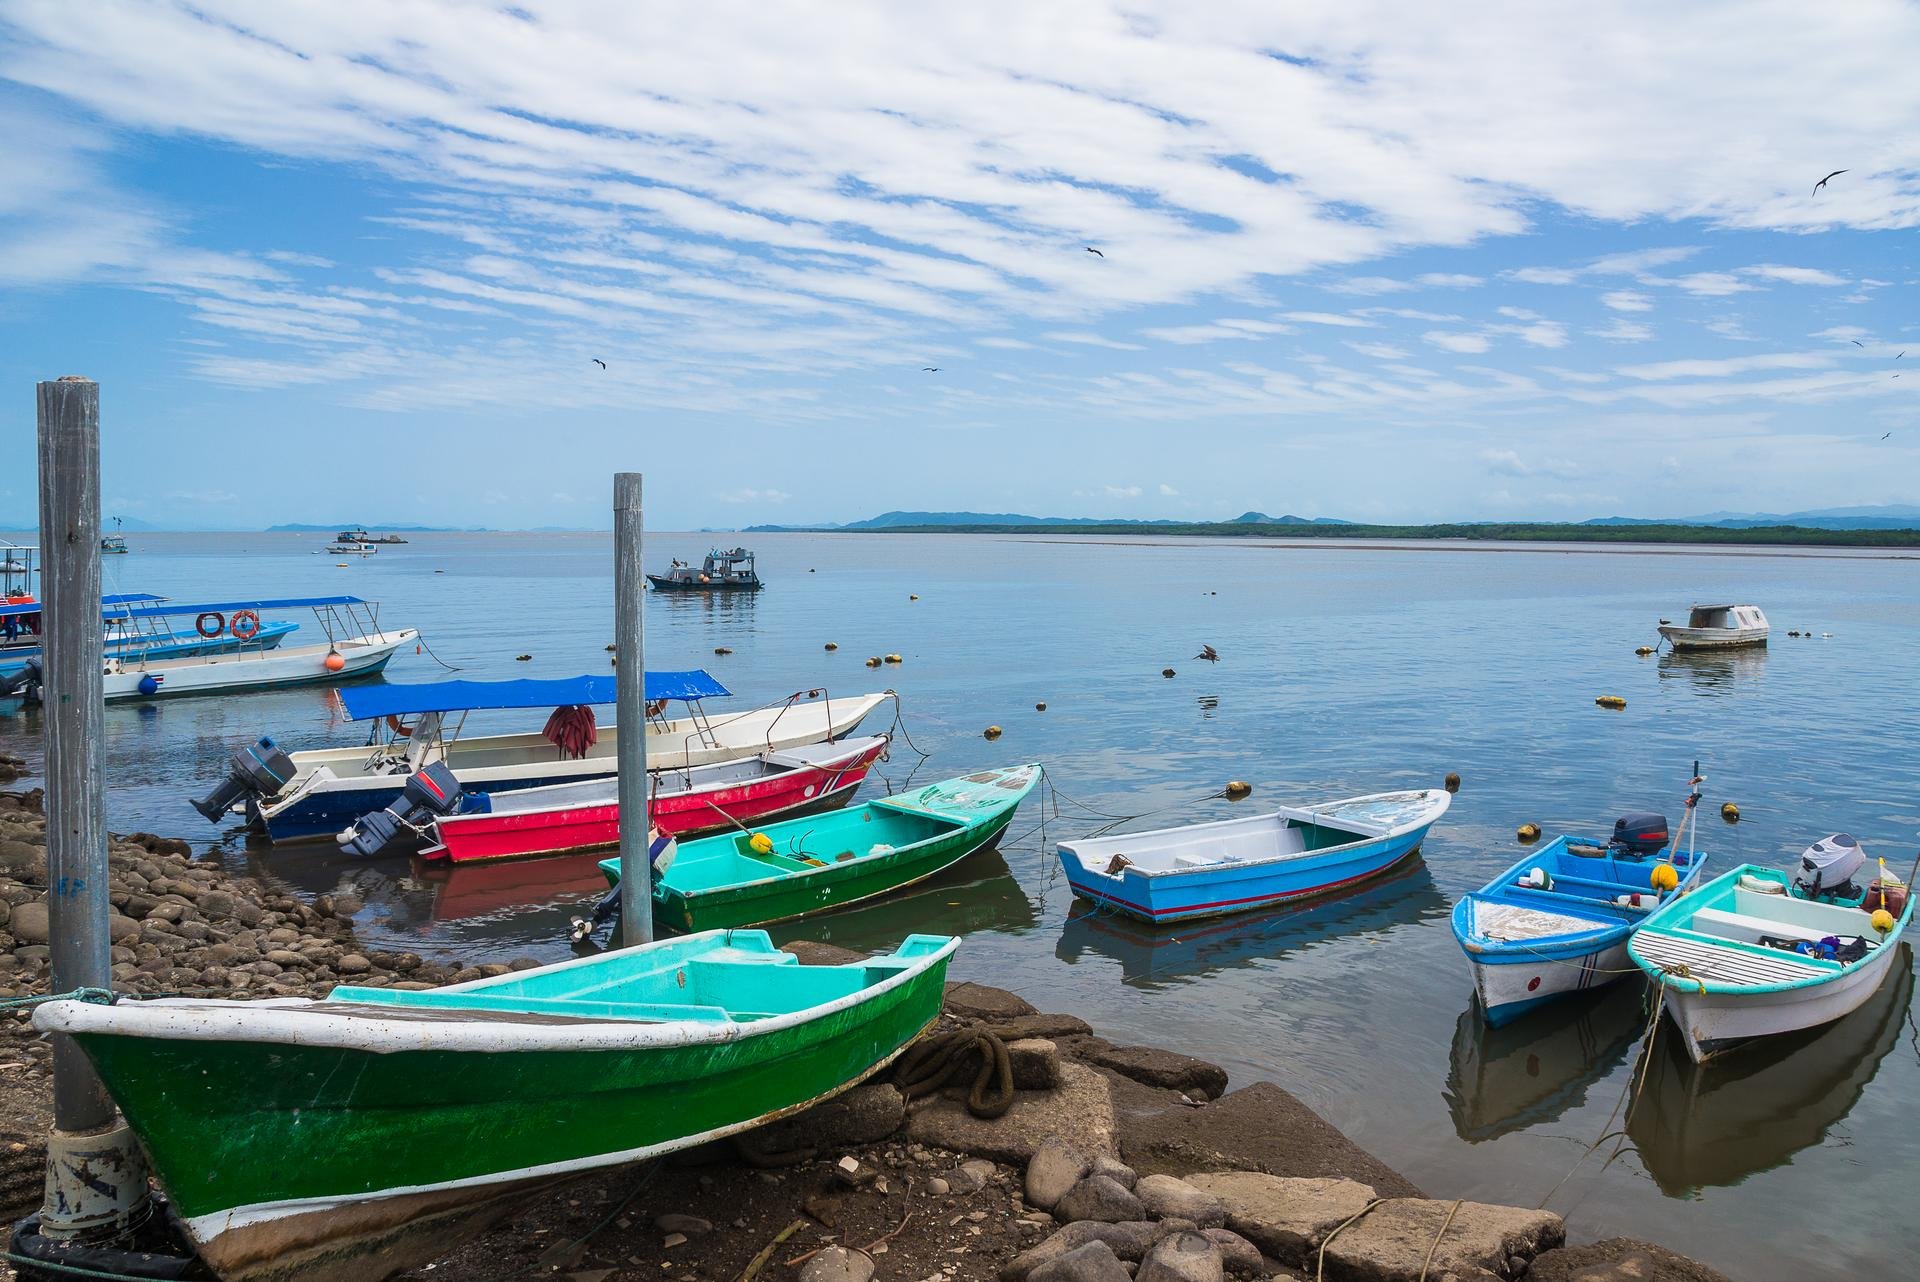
[(338, 1140), (829, 861)]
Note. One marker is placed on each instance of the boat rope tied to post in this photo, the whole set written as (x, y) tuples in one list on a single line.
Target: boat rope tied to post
[(942, 1059), (103, 996)]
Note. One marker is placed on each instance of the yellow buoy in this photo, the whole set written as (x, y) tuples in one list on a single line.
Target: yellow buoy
[(894, 658), (761, 843), (1664, 877), (1453, 781), (913, 596), (1611, 701), (1238, 788), (874, 661), (1039, 707), (720, 649), (521, 658), (1528, 832), (1166, 672), (1882, 920), (833, 645), (1730, 813), (1644, 651), (991, 732)]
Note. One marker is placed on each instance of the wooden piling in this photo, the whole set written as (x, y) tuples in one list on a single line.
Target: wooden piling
[(629, 604)]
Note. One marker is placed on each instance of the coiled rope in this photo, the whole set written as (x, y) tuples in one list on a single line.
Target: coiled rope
[(942, 1059)]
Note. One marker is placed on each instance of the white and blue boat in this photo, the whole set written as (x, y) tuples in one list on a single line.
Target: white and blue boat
[(1558, 921), (1241, 865), (138, 627)]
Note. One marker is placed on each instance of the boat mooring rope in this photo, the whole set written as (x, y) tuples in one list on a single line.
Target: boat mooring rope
[(940, 1059), (104, 996)]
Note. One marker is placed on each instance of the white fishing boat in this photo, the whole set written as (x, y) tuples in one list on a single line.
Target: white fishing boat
[(1717, 627), (355, 647), (1754, 953), (351, 549), (330, 788)]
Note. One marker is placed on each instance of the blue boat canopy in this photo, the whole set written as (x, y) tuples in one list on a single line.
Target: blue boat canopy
[(106, 602), (364, 703), (224, 607)]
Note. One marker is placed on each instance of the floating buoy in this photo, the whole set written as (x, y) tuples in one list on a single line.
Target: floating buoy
[(720, 649), (1644, 651), (1882, 920), (1793, 633), (1453, 781), (1039, 707), (873, 661), (1664, 877), (521, 658), (913, 596), (1166, 672), (991, 732), (612, 648), (1528, 832), (1730, 813), (833, 645), (809, 569), (894, 658), (614, 661), (760, 843), (1238, 788), (1611, 701), (333, 662), (149, 684)]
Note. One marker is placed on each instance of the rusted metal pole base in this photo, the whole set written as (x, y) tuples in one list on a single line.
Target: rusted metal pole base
[(96, 1183)]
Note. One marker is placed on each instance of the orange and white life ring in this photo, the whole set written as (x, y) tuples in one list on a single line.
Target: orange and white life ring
[(401, 730), (245, 625)]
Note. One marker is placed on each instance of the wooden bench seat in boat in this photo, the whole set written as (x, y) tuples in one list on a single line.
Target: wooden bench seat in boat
[(1748, 930), (1728, 963)]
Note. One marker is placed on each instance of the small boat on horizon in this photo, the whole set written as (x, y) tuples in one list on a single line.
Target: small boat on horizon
[(342, 1136), (1239, 865), (720, 571), (1717, 627), (359, 535), (569, 817), (344, 548)]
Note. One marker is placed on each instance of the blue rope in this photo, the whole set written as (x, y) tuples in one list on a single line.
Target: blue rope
[(104, 996)]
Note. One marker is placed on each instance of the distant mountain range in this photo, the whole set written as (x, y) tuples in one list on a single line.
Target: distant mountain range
[(383, 528), (1885, 517)]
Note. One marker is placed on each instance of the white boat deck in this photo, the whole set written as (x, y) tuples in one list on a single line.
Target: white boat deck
[(1720, 964), (1511, 923)]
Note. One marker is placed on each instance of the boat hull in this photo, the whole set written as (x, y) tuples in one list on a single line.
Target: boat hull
[(137, 649), (474, 838), (329, 792), (1512, 987), (1712, 1022), (662, 584), (288, 1160), (1685, 638), (272, 670)]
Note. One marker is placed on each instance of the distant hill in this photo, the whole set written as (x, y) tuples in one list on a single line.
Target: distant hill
[(1004, 520), (1891, 516), (381, 527)]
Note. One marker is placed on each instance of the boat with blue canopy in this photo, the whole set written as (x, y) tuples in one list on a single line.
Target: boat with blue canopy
[(1558, 921), (136, 629), (414, 726)]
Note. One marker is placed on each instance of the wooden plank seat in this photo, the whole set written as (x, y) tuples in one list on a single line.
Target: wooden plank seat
[(417, 1002), (1748, 930), (1725, 963)]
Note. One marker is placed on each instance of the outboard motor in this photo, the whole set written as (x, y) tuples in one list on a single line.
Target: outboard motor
[(1827, 868), (258, 770), (1638, 836), (430, 792), (26, 682)]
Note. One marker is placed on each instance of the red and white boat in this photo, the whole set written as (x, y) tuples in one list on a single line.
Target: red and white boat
[(571, 817)]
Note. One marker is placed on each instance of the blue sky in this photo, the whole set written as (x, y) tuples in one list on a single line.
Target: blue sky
[(353, 261)]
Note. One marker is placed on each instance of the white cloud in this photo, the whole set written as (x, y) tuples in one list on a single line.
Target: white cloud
[(1796, 275), (1455, 342), (1213, 331), (1627, 300), (1009, 344), (1380, 351), (1624, 331), (1167, 491), (1329, 318), (1543, 334), (1713, 284), (1088, 339), (1509, 463), (1122, 491), (1449, 280), (1370, 285), (1728, 366), (754, 496)]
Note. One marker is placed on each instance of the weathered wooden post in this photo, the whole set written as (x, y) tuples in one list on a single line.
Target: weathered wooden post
[(96, 1179), (630, 685)]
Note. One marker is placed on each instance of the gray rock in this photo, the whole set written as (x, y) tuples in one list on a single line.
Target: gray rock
[(1129, 1241), (1286, 1218), (1080, 1111), (864, 1115), (1094, 1262), (29, 924), (813, 953), (978, 1001), (961, 1180), (838, 1264), (1151, 1066), (1114, 1168), (1036, 1064), (1056, 1167), (1049, 1026), (674, 1222), (939, 1187), (1100, 1197), (981, 1168), (1236, 1253), (1391, 1242), (1183, 1257), (1165, 1196)]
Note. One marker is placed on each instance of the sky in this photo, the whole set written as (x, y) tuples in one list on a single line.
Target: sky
[(356, 260)]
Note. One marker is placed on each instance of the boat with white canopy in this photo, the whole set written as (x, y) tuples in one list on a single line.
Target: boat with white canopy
[(1717, 627), (356, 646)]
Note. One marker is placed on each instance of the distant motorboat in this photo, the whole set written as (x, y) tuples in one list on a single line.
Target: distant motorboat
[(1717, 627), (351, 549), (360, 535), (720, 571)]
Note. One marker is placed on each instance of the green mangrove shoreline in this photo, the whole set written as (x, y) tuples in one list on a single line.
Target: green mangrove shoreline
[(1759, 536)]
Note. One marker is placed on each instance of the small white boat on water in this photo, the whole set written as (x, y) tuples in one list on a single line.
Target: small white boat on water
[(1717, 627), (351, 549), (1755, 953), (355, 647)]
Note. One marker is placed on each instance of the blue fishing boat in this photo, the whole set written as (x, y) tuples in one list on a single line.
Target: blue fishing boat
[(1238, 865), (136, 630), (1557, 922)]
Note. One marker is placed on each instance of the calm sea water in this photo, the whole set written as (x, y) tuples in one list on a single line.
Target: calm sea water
[(1343, 669)]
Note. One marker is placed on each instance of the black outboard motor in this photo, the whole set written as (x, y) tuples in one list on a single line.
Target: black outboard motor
[(26, 682), (428, 794), (259, 770), (1638, 836)]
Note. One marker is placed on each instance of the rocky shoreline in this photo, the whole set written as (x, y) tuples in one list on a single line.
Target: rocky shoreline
[(1108, 1163)]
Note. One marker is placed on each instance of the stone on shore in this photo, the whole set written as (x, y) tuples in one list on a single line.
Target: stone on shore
[(1094, 1262), (1619, 1259), (1165, 1196), (1182, 1257), (1079, 1111), (864, 1115), (1236, 1253), (1100, 1197), (981, 1002), (1286, 1218), (1114, 1168), (1048, 1026), (812, 952), (1129, 1241), (838, 1264), (1036, 1063), (1056, 1166), (1391, 1242), (1150, 1066)]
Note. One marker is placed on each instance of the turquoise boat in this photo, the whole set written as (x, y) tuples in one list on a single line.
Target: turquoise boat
[(823, 862), (335, 1140)]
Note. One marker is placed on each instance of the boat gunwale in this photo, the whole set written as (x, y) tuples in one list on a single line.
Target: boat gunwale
[(276, 1021), (1499, 888)]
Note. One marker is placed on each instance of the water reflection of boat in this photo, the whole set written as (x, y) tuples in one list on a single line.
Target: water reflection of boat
[(1706, 1125), (1712, 671), (977, 894), (1151, 956), (1532, 1071), (487, 889)]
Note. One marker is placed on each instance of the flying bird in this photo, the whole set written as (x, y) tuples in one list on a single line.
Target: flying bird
[(1856, 342), (1096, 253), (1208, 653), (1898, 357), (929, 369), (1824, 181), (597, 361), (1885, 437)]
